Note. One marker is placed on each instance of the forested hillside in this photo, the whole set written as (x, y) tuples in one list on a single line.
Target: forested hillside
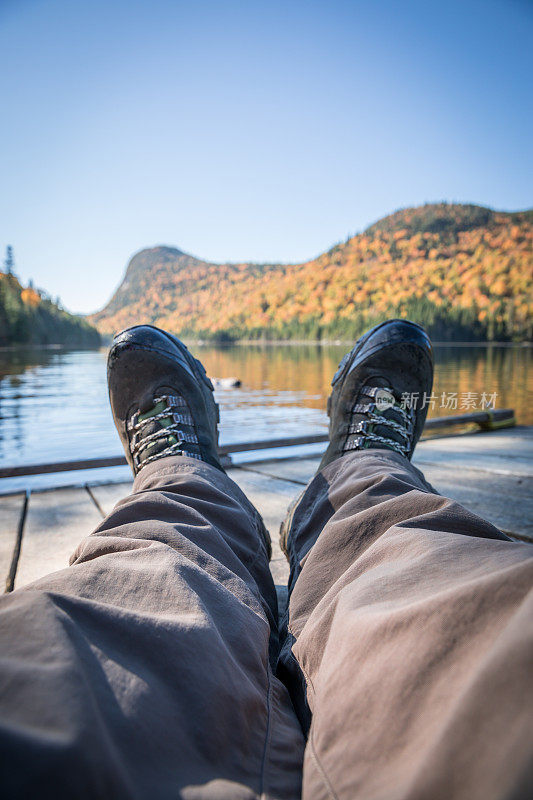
[(463, 271), (30, 317)]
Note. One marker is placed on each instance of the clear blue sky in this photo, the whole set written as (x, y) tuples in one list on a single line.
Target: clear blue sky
[(262, 131)]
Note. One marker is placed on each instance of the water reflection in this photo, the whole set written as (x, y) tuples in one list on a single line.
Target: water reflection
[(304, 373), (53, 402)]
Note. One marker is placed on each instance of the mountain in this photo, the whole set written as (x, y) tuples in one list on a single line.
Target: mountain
[(463, 271), (28, 316)]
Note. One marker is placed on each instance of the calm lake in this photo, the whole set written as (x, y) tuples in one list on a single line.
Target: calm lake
[(54, 406)]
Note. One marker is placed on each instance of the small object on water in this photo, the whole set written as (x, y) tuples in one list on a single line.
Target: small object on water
[(226, 383)]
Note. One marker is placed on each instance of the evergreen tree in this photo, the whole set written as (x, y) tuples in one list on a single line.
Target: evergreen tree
[(9, 261)]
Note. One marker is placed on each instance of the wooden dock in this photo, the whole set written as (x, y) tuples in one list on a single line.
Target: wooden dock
[(490, 473)]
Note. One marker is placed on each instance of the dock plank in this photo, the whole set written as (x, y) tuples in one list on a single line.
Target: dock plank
[(11, 510), (507, 452), (504, 500), (56, 522), (297, 470)]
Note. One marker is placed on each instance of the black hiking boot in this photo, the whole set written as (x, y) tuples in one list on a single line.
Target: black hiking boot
[(161, 399), (380, 391), (379, 396)]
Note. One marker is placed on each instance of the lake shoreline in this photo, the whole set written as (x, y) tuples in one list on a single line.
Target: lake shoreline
[(106, 342), (337, 342)]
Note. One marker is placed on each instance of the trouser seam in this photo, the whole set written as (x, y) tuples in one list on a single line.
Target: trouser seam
[(308, 680), (268, 734), (320, 768), (257, 553)]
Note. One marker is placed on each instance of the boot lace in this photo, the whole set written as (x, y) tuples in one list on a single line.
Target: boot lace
[(173, 417), (362, 432)]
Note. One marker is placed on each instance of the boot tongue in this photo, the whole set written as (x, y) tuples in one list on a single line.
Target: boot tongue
[(146, 402)]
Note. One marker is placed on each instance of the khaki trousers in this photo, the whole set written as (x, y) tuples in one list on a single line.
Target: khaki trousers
[(152, 667)]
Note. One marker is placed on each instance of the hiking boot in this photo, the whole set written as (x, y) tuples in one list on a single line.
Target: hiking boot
[(161, 399), (379, 397), (380, 392)]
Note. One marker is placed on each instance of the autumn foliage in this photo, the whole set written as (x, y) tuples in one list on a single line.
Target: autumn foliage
[(28, 316), (463, 271)]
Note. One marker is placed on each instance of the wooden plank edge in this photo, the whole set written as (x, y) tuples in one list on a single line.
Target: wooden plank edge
[(94, 499), (10, 580), (248, 468), (518, 537)]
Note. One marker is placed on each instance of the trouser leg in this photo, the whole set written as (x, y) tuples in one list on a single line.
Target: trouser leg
[(144, 669), (411, 628)]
